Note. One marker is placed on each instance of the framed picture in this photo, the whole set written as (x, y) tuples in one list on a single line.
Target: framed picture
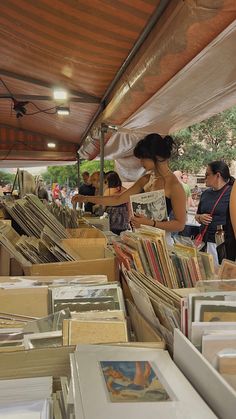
[(136, 383)]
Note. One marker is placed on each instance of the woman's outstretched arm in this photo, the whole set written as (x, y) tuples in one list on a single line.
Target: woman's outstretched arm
[(115, 199)]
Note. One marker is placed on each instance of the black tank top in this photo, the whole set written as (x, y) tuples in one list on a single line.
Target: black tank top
[(168, 205)]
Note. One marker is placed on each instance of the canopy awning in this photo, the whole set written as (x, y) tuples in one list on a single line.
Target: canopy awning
[(125, 63)]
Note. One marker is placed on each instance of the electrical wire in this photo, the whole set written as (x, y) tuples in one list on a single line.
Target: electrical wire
[(17, 141), (4, 84), (9, 151), (39, 110)]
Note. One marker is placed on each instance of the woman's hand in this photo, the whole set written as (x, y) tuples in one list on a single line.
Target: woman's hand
[(78, 198), (137, 220), (205, 219)]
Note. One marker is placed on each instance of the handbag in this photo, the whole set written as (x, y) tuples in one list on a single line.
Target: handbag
[(198, 241)]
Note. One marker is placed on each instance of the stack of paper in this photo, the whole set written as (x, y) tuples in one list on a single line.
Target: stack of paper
[(32, 215), (159, 305), (26, 398), (32, 250), (115, 382), (65, 215)]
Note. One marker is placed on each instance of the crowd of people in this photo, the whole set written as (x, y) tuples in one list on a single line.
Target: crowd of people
[(217, 204), (215, 207)]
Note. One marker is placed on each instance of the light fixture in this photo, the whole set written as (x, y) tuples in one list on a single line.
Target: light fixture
[(63, 110), (51, 145), (60, 94)]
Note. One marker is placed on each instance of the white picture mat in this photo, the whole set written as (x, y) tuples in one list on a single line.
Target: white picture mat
[(192, 298), (186, 402), (79, 414), (39, 409), (200, 328), (76, 290), (206, 380), (214, 343), (201, 303), (38, 336)]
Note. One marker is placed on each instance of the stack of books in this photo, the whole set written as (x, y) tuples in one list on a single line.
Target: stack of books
[(176, 266)]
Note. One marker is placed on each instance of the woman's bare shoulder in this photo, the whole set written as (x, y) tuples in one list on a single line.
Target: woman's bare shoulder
[(174, 182), (144, 179)]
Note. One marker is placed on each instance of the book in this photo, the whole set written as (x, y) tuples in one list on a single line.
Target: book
[(150, 205), (227, 270)]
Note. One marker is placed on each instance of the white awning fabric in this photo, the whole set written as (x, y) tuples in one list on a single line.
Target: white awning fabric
[(204, 87)]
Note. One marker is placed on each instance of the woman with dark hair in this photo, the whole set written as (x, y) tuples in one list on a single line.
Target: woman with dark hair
[(153, 151), (216, 199), (119, 214)]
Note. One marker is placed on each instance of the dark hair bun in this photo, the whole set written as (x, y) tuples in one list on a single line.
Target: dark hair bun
[(154, 147), (169, 142)]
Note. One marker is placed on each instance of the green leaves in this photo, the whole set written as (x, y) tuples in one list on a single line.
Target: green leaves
[(68, 175), (212, 139)]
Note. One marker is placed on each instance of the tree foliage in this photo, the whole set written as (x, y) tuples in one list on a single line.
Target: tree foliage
[(68, 175), (212, 139), (6, 178)]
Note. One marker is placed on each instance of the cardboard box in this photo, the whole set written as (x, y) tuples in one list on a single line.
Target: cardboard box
[(42, 362), (102, 224), (95, 260), (31, 302), (87, 236), (4, 261), (15, 267)]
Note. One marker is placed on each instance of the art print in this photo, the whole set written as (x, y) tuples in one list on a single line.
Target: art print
[(132, 381)]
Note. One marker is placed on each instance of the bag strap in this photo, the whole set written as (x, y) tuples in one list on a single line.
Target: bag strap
[(218, 200), (213, 209)]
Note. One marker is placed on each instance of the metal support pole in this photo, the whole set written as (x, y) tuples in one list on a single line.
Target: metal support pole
[(78, 172), (101, 180)]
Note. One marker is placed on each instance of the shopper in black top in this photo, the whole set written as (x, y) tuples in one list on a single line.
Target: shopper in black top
[(218, 180), (87, 189)]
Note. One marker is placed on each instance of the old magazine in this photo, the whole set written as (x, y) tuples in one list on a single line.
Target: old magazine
[(150, 205)]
